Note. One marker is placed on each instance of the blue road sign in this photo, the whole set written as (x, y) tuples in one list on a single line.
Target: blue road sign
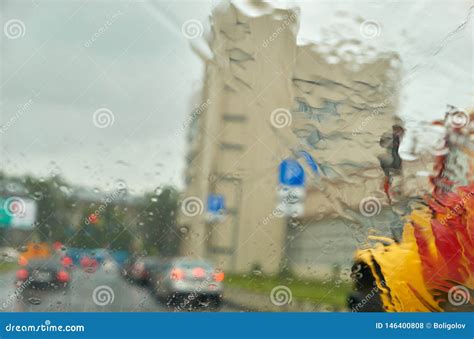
[(291, 173), (215, 203), (310, 161)]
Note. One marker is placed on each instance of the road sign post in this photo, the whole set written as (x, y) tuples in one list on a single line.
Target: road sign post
[(215, 208), (291, 193)]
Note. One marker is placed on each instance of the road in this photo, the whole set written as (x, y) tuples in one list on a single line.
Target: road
[(113, 294)]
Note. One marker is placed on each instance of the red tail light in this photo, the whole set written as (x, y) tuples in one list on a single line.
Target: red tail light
[(22, 261), (66, 261), (199, 272), (22, 274), (62, 276), (177, 274), (218, 275)]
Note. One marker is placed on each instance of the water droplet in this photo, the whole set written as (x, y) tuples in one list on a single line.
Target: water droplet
[(66, 190), (34, 301), (328, 308), (294, 223), (204, 303), (121, 185), (38, 195)]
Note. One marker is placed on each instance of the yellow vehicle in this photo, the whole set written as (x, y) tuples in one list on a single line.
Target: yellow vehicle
[(34, 250), (432, 267)]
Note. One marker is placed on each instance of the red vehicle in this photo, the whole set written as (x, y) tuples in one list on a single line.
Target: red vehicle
[(89, 264)]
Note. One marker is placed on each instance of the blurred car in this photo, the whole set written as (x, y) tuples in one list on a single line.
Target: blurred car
[(187, 282), (127, 266), (141, 269), (109, 265), (66, 261), (366, 296), (35, 250), (42, 274), (89, 264)]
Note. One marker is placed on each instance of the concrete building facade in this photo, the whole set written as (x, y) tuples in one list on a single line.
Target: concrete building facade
[(266, 99)]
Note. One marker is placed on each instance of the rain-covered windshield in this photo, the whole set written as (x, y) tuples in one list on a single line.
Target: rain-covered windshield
[(236, 156)]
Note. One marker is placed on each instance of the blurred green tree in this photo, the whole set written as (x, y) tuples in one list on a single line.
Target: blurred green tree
[(160, 232)]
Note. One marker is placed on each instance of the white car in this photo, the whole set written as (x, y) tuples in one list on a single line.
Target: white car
[(185, 282)]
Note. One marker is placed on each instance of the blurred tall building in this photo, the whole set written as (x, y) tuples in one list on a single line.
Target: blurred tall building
[(265, 99)]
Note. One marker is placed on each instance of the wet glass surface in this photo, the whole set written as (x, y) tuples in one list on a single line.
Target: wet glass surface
[(236, 156)]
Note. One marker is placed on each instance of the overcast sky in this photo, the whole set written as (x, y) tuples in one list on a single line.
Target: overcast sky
[(69, 68)]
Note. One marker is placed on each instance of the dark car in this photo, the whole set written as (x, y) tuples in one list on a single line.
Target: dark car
[(366, 294), (43, 274), (141, 269)]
